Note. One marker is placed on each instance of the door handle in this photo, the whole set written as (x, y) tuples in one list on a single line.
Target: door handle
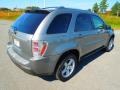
[(101, 31), (79, 35)]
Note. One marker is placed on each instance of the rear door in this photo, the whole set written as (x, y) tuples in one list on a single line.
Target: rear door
[(86, 36), (22, 32)]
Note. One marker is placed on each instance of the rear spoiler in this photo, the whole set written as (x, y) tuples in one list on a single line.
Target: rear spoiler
[(45, 10), (37, 11)]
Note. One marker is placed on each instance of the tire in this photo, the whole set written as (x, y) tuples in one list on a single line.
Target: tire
[(110, 45), (66, 68)]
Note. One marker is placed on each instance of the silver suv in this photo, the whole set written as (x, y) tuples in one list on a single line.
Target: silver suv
[(51, 41)]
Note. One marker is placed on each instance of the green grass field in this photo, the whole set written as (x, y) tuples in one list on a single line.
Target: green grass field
[(114, 21)]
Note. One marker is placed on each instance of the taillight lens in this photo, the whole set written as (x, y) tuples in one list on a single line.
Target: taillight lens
[(43, 48), (39, 50), (35, 48)]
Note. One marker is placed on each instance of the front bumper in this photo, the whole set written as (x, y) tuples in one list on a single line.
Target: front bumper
[(41, 66)]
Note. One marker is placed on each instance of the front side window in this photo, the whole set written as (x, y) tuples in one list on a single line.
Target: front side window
[(60, 24), (83, 23), (98, 22)]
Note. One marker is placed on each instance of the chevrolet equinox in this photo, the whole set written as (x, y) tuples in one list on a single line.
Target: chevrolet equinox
[(51, 41)]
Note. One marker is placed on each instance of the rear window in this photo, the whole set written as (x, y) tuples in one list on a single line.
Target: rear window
[(28, 22), (60, 24)]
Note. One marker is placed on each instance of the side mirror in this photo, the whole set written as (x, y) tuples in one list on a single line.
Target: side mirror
[(101, 27), (108, 27)]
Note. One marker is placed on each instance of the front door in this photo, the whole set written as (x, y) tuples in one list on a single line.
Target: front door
[(85, 34)]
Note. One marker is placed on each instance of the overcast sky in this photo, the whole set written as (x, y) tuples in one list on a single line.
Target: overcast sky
[(80, 4)]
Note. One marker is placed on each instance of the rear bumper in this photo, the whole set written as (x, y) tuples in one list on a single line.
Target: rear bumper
[(39, 66)]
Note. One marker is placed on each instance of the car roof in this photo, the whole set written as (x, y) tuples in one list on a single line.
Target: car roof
[(72, 10), (63, 9)]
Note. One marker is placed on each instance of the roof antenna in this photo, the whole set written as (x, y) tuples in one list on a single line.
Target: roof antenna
[(44, 3), (89, 10)]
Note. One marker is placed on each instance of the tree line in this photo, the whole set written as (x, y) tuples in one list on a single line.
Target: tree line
[(97, 8), (103, 5)]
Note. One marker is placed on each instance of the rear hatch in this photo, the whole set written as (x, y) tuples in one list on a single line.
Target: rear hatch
[(22, 31)]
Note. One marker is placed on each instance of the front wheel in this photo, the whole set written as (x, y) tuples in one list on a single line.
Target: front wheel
[(66, 68)]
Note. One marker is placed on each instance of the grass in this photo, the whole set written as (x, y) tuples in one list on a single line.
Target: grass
[(114, 21)]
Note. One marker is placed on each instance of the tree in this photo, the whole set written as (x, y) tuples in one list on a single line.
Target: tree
[(95, 8), (118, 12), (116, 9), (5, 9), (103, 6)]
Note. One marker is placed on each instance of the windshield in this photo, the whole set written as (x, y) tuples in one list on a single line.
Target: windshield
[(28, 22)]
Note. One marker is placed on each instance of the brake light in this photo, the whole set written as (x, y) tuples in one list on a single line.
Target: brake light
[(39, 50), (43, 48)]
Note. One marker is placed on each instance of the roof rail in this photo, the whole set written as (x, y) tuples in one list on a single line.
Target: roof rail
[(53, 7)]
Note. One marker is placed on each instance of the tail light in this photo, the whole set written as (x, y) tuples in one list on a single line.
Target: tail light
[(39, 50)]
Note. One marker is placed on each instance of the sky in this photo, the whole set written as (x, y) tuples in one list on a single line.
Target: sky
[(80, 4)]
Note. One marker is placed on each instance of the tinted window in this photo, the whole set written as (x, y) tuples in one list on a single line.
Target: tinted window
[(29, 22), (60, 24), (98, 22), (83, 23)]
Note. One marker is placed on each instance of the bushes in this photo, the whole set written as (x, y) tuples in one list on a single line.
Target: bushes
[(9, 15)]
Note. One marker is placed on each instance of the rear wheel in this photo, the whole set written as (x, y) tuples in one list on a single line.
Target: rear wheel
[(110, 45), (66, 68)]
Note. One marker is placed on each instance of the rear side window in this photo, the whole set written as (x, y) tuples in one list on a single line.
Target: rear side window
[(83, 23), (29, 22), (60, 24)]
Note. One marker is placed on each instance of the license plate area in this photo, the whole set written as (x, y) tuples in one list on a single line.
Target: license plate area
[(16, 43)]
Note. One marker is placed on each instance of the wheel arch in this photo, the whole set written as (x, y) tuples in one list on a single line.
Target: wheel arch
[(73, 51), (112, 36)]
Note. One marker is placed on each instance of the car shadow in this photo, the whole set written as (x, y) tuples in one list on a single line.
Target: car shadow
[(88, 59), (84, 61)]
